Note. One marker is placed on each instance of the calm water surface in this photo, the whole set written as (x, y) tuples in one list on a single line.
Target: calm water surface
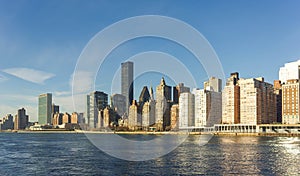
[(73, 154)]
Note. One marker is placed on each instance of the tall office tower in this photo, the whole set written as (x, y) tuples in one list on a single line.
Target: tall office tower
[(162, 107), (180, 88), (289, 71), (174, 117), (118, 103), (231, 100), (290, 102), (278, 100), (213, 84), (127, 85), (45, 109), (208, 107), (257, 101), (21, 120), (186, 110), (134, 117), (144, 96), (96, 102)]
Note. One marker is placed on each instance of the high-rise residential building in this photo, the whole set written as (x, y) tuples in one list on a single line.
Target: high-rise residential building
[(257, 102), (66, 118), (148, 114), (213, 84), (175, 117), (54, 110), (180, 88), (96, 102), (57, 119), (278, 100), (74, 118), (248, 101), (107, 117), (127, 85), (290, 102), (21, 120), (289, 71), (118, 103), (7, 122), (134, 117), (45, 109), (208, 107), (231, 100), (162, 107), (186, 110)]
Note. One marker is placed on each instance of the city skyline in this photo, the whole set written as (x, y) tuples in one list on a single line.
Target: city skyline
[(48, 42)]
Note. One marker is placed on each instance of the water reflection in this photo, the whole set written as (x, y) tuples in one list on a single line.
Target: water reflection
[(241, 155)]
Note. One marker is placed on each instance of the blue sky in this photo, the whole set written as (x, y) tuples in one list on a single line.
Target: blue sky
[(40, 42)]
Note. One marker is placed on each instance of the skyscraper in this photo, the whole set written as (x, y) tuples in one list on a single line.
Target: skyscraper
[(180, 88), (127, 83), (118, 103), (162, 108), (231, 100), (208, 107), (248, 101), (45, 108), (21, 120), (134, 118), (186, 110), (96, 102), (213, 84), (291, 102), (144, 96), (257, 102)]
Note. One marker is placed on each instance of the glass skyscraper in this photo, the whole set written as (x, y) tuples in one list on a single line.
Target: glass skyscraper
[(45, 108), (127, 83)]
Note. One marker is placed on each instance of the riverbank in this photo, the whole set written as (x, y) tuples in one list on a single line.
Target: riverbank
[(156, 133)]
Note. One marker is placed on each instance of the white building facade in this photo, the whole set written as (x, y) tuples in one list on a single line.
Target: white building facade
[(186, 110), (289, 71)]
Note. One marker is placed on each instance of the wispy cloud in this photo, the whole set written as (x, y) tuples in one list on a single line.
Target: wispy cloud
[(35, 76), (2, 78), (62, 93)]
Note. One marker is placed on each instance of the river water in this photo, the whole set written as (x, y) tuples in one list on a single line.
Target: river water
[(73, 154)]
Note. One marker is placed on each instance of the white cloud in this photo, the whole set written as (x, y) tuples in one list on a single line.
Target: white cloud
[(35, 76)]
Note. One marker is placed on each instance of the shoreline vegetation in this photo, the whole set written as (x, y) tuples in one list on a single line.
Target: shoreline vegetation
[(154, 133)]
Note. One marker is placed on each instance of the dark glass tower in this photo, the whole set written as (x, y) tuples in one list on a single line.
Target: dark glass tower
[(127, 83), (96, 102)]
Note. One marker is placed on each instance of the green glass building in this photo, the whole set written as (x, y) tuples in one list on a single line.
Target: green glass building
[(45, 106)]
